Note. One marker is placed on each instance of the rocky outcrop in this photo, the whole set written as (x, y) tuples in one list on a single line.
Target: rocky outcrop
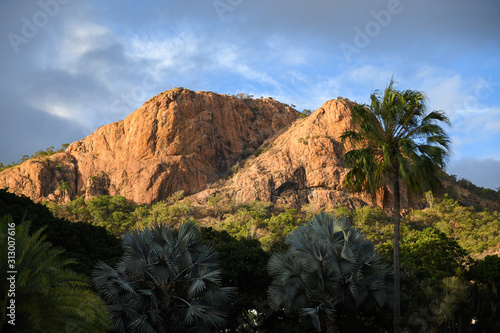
[(204, 143), (302, 165), (178, 140), (42, 179)]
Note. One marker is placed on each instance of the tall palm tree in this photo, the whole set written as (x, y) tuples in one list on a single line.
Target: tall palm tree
[(166, 281), (328, 265), (396, 141), (48, 296)]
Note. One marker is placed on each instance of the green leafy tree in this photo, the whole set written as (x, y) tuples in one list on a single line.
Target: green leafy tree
[(79, 210), (166, 281), (278, 227), (374, 223), (427, 257), (329, 266), (474, 231), (246, 221), (395, 142), (64, 187), (431, 255), (83, 242), (243, 265), (172, 211), (49, 297), (111, 212)]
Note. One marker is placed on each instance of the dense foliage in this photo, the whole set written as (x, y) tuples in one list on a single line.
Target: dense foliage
[(118, 215), (166, 281), (83, 242), (243, 266), (48, 296), (474, 231), (437, 243), (486, 276), (329, 267)]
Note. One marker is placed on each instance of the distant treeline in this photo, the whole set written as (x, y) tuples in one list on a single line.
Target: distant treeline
[(484, 193), (41, 153)]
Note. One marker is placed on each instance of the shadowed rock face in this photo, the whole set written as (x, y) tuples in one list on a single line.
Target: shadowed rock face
[(178, 140), (303, 164)]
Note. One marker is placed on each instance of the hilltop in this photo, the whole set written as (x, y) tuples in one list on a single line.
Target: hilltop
[(178, 140), (206, 144)]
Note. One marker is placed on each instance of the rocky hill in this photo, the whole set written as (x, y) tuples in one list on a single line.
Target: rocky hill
[(203, 143), (178, 140), (301, 165)]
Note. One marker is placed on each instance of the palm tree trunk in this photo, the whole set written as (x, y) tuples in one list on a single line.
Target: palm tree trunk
[(397, 270)]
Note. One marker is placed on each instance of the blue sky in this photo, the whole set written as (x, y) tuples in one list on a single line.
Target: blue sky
[(68, 66)]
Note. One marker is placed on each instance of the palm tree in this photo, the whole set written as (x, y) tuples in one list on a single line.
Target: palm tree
[(48, 296), (166, 281), (328, 265), (448, 306), (396, 141)]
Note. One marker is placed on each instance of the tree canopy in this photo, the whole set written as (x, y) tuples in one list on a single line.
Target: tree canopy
[(83, 242), (48, 296)]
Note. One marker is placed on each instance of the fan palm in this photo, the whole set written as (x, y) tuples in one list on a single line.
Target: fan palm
[(447, 305), (396, 141), (48, 296), (165, 281), (328, 264)]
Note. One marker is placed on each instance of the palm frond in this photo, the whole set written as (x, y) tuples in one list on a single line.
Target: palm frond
[(164, 273), (328, 262), (49, 296)]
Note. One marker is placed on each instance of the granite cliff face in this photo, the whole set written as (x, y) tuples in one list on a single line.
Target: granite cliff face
[(205, 143), (302, 165), (178, 140)]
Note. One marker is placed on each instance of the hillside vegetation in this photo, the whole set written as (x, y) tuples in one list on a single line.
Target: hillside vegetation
[(475, 231), (439, 243)]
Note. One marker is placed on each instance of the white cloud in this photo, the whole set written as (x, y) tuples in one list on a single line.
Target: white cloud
[(166, 52), (78, 40), (370, 74), (444, 91), (235, 60)]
